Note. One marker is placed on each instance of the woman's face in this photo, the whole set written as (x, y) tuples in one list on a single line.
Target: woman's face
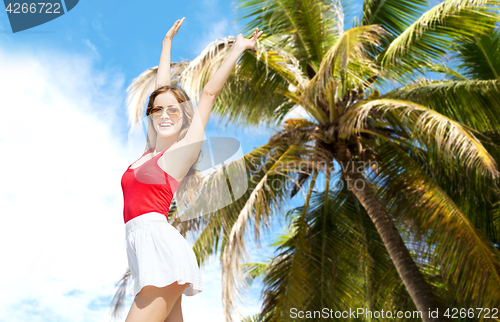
[(162, 119)]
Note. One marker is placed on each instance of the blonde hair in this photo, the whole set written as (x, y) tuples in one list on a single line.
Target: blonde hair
[(189, 187)]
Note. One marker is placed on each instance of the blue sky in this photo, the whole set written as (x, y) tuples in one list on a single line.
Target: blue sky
[(63, 198)]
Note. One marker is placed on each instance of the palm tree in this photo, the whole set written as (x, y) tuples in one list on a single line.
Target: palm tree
[(425, 139), (333, 258)]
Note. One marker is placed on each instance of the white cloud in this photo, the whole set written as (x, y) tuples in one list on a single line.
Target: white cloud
[(60, 197), (96, 23), (62, 238), (91, 46), (218, 29), (97, 26)]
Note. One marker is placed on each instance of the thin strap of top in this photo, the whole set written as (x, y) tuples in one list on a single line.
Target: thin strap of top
[(147, 151)]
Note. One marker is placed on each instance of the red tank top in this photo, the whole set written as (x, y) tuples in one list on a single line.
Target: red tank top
[(147, 188)]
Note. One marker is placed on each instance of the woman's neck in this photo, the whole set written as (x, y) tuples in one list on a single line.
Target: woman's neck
[(163, 144)]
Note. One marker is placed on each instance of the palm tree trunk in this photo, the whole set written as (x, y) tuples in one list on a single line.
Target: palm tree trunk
[(408, 271)]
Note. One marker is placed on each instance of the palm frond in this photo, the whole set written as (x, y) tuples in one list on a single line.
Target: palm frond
[(265, 87), (282, 62), (336, 259), (459, 248), (448, 72), (496, 216), (256, 205), (451, 138), (472, 103), (253, 270), (251, 318), (262, 88), (479, 58), (119, 298), (435, 33), (344, 67), (255, 200), (395, 16), (311, 25), (473, 195), (286, 271), (197, 73)]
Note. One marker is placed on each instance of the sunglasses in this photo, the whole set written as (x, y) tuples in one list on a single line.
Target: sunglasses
[(173, 112)]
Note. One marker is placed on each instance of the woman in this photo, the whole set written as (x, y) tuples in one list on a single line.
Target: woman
[(162, 263)]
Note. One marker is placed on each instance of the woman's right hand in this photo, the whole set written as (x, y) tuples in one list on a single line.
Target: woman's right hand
[(170, 34)]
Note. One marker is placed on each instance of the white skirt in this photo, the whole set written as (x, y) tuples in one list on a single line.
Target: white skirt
[(159, 255)]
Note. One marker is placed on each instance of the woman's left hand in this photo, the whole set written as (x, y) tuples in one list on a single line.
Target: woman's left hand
[(245, 43), (173, 30)]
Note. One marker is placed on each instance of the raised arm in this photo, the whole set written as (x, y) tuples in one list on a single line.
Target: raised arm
[(163, 73), (190, 145), (214, 85)]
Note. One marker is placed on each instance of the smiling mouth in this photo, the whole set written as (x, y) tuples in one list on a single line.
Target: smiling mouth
[(166, 125)]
